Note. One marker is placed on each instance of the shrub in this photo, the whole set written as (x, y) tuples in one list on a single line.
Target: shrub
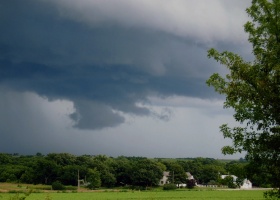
[(191, 183), (232, 185), (58, 186), (272, 194), (169, 187), (135, 187), (70, 187)]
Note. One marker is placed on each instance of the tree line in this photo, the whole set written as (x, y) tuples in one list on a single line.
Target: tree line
[(104, 171)]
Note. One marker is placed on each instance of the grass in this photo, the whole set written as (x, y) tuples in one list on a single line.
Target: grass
[(12, 187), (21, 188), (11, 191), (146, 195)]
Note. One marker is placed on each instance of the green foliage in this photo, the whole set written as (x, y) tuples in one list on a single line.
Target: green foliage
[(272, 194), (108, 179), (122, 168), (62, 159), (68, 174), (237, 168), (104, 165), (191, 183), (177, 172), (127, 172), (145, 172), (19, 196), (170, 186), (252, 89), (228, 181), (58, 186), (93, 179), (205, 169), (43, 171), (5, 158), (210, 172), (259, 174), (48, 197)]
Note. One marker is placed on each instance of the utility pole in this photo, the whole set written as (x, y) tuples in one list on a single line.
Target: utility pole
[(78, 179)]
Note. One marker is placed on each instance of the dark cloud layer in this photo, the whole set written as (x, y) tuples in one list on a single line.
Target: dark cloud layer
[(101, 68), (115, 77)]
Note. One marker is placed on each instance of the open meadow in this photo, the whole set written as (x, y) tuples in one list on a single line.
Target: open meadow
[(10, 191), (153, 195)]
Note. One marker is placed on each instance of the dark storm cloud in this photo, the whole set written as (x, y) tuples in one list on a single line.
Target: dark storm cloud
[(102, 68)]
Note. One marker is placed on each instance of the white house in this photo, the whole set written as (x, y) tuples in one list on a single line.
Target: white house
[(246, 184), (164, 179), (190, 177)]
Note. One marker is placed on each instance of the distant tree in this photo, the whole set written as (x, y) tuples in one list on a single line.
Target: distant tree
[(185, 165), (39, 154), (259, 175), (43, 171), (228, 181), (177, 174), (196, 169), (104, 165), (145, 172), (84, 160), (122, 169), (239, 182), (210, 172), (5, 159), (28, 176), (252, 89), (62, 159), (108, 179), (93, 178), (68, 174), (237, 168), (11, 172)]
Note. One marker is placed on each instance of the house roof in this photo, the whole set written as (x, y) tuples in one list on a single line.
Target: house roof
[(165, 173)]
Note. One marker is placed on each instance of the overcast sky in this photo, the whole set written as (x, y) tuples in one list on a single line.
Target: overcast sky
[(115, 77)]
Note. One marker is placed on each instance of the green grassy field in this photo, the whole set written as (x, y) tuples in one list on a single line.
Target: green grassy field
[(153, 195)]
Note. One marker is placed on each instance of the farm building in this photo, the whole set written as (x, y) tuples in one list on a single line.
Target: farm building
[(164, 180), (246, 184)]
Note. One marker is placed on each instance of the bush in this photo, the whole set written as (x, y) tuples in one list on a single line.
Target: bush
[(135, 187), (70, 187), (191, 183), (232, 185), (58, 186), (272, 194), (169, 187)]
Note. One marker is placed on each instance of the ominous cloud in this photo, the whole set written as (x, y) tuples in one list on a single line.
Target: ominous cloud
[(113, 59)]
